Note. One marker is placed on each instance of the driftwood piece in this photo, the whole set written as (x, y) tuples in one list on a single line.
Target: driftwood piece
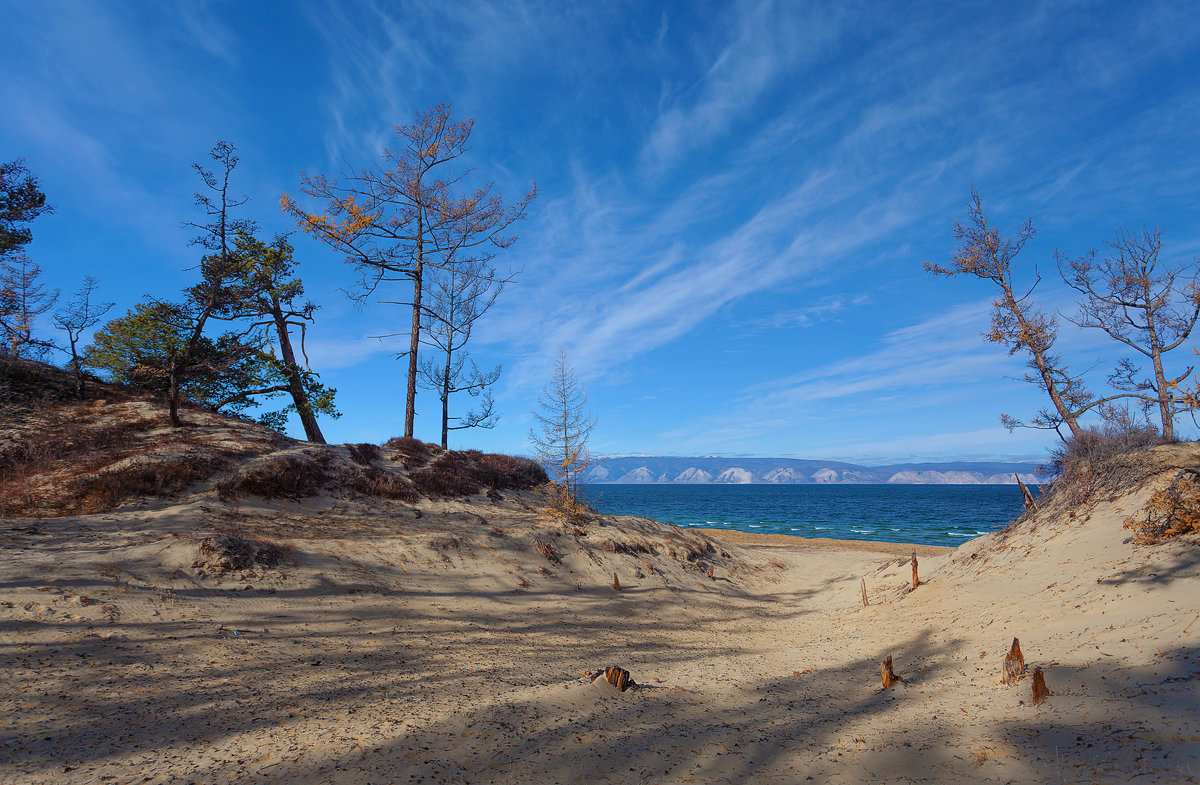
[(616, 582), (1029, 503), (1014, 663), (618, 677), (916, 580), (887, 674), (1040, 693), (866, 602)]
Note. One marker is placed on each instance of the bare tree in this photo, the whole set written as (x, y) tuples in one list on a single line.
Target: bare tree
[(1017, 322), (23, 298), (1147, 306), (394, 220), (559, 438), (80, 314), (459, 294)]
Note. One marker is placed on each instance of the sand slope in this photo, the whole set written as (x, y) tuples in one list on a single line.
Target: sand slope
[(437, 642)]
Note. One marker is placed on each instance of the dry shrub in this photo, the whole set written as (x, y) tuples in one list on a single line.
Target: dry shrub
[(409, 451), (547, 550), (692, 550), (64, 439), (630, 548), (1098, 458), (229, 552), (108, 488), (365, 454), (467, 472), (374, 481), (1171, 512), (507, 472), (284, 476)]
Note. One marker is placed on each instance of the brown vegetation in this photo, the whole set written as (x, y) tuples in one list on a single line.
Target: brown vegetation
[(281, 476), (227, 551), (1171, 511), (1109, 459)]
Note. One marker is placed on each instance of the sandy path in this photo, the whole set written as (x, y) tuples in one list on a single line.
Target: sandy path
[(383, 666)]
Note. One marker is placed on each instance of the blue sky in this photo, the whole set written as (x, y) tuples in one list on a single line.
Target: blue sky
[(735, 198)]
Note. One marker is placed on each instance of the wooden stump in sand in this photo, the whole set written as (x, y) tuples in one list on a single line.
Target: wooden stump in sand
[(616, 582), (1014, 663), (618, 677), (1029, 504), (916, 580), (885, 671), (1040, 693), (866, 602)]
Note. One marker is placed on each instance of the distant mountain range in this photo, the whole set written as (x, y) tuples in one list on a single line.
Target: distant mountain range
[(794, 471)]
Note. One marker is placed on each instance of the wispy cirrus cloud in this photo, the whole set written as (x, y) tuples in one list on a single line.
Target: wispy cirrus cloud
[(768, 38)]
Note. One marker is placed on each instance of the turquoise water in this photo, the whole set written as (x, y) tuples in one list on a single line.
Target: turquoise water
[(928, 514)]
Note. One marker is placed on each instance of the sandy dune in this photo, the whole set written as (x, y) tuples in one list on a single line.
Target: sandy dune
[(351, 640)]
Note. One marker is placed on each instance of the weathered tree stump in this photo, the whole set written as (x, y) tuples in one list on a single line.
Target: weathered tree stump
[(1029, 503), (616, 582), (866, 602), (887, 674), (1040, 693), (916, 580), (1014, 663), (618, 677)]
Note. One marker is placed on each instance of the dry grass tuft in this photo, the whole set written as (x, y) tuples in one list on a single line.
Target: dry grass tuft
[(464, 473), (228, 551), (282, 476), (374, 481), (411, 452), (547, 550), (364, 454), (108, 488), (1098, 464), (629, 548)]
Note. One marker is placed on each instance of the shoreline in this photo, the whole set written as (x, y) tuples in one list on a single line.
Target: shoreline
[(764, 540)]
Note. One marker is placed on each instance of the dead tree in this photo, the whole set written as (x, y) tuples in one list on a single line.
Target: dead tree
[(1029, 503), (78, 315), (1142, 303), (1017, 323), (394, 221)]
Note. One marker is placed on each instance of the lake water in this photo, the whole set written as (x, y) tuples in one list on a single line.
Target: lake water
[(929, 514)]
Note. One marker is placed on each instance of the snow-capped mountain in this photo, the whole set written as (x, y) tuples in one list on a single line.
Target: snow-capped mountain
[(643, 469)]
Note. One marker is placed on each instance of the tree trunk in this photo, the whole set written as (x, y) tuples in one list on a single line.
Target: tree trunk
[(1014, 663), (446, 402), (173, 397), (291, 370), (887, 675), (1164, 398), (1040, 693), (410, 404)]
